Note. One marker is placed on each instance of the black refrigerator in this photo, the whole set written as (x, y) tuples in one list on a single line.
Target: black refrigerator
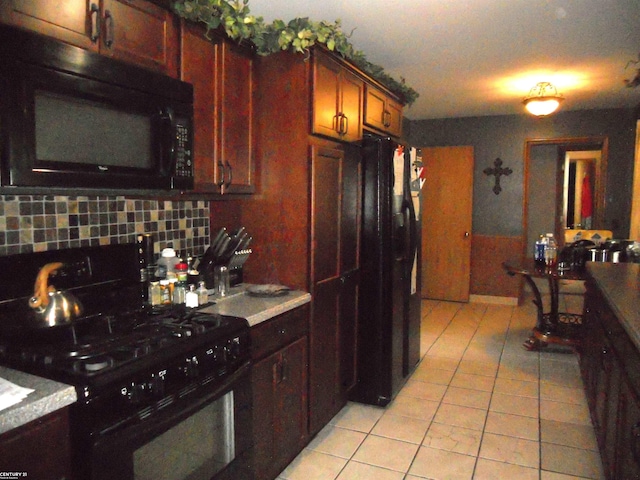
[(389, 306)]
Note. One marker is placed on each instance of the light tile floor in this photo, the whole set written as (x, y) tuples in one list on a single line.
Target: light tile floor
[(478, 407)]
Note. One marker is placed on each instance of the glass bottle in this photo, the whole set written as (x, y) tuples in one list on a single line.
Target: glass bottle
[(551, 251), (155, 294), (203, 294)]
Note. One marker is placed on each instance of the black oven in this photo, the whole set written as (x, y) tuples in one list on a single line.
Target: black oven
[(70, 118), (203, 432)]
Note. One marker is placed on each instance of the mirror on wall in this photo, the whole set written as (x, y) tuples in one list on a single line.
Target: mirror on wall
[(555, 185), (578, 187)]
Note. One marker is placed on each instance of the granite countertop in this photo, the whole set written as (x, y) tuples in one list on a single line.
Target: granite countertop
[(48, 397), (256, 309), (620, 285)]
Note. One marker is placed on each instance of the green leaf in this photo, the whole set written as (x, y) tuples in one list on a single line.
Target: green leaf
[(298, 35)]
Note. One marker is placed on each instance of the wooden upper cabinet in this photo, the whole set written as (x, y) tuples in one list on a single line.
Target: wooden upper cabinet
[(235, 111), (69, 21), (140, 32), (382, 112), (222, 75), (336, 100), (134, 31)]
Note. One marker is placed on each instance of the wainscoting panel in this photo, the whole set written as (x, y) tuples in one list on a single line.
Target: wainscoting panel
[(488, 278)]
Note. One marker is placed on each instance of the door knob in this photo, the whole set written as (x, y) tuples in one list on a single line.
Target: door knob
[(466, 234)]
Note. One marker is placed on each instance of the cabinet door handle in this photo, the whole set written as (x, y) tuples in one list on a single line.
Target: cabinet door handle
[(228, 183), (284, 370), (386, 118), (220, 183), (337, 122), (108, 29), (94, 12), (344, 124)]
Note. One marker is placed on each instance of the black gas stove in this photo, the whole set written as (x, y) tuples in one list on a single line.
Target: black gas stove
[(139, 371), (119, 334)]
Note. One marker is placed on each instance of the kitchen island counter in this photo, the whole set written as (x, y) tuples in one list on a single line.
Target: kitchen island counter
[(48, 397), (620, 285), (256, 310)]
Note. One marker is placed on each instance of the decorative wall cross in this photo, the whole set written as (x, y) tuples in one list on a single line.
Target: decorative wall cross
[(497, 171)]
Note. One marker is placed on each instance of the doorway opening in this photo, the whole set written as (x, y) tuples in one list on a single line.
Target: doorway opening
[(555, 186)]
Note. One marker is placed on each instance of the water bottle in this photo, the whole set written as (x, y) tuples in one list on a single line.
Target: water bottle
[(551, 251), (538, 252)]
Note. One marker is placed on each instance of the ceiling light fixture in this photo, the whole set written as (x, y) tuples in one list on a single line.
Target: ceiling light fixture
[(543, 99)]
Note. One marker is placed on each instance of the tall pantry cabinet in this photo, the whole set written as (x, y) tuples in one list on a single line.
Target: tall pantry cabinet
[(304, 216)]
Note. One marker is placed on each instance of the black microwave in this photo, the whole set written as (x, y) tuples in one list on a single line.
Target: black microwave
[(71, 118)]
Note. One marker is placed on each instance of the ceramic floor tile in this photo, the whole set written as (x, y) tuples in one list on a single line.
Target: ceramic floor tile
[(467, 397), (491, 470), (426, 391), (362, 471), (337, 441), (386, 453), (513, 425), (478, 368), (439, 377), (469, 411), (568, 434), (310, 465), (413, 407), (564, 412), (544, 475), (453, 439), (357, 416), (559, 393), (571, 461), (406, 429), (430, 362), (459, 416), (441, 464), (510, 450), (525, 406), (519, 388), (475, 382)]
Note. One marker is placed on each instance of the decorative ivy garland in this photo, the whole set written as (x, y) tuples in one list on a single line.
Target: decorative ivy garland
[(298, 35)]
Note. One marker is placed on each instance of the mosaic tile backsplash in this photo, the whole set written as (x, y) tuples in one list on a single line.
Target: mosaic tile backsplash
[(30, 223)]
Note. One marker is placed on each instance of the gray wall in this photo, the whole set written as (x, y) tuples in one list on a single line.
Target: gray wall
[(504, 137)]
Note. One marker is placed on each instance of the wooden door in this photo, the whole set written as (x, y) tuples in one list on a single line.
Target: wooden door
[(335, 240), (68, 21), (351, 98), (235, 149), (198, 56), (140, 32), (447, 200), (326, 95)]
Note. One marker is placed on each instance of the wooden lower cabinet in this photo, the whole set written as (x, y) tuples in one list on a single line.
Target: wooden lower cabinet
[(609, 363), (40, 449), (279, 383)]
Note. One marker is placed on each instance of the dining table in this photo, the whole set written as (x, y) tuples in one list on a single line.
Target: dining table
[(553, 326)]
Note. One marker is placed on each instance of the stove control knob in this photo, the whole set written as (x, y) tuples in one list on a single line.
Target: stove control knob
[(191, 367), (156, 384), (133, 393), (233, 348)]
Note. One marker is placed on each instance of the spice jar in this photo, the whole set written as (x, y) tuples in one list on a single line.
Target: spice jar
[(191, 297), (155, 293)]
